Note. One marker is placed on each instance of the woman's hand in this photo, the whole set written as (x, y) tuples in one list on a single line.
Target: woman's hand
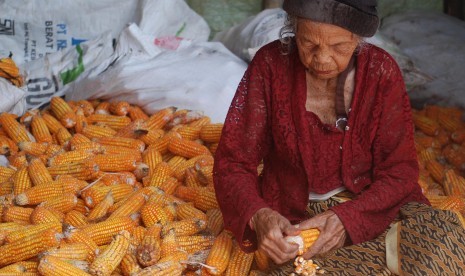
[(271, 228), (332, 233)]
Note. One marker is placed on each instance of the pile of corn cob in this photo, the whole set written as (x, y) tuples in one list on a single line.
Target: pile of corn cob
[(100, 188), (9, 71), (440, 144)]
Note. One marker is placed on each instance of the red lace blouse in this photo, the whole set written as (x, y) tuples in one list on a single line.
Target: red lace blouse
[(267, 121)]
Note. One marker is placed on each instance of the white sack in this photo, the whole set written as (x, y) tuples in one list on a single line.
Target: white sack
[(199, 76), (13, 99), (436, 44)]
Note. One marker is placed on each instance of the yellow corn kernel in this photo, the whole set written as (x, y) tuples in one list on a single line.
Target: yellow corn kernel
[(114, 122), (115, 162), (449, 123), (220, 253), (73, 235), (187, 148), (195, 243), (81, 121), (212, 147), (153, 213), (151, 157), (160, 118), (152, 136), (15, 130), (205, 198), (20, 267), (205, 174), (16, 214), (185, 227), (119, 108), (86, 107), (17, 160), (119, 178), (239, 262), (95, 195), (453, 183), (21, 180), (70, 251), (102, 232), (81, 207), (59, 107), (67, 157), (215, 221), (38, 172), (455, 155), (436, 170), (52, 123), (162, 143), (42, 215), (180, 170), (38, 194), (121, 142), (149, 251), (97, 131), (169, 244), (32, 148), (51, 265), (111, 257), (200, 122), (169, 185), (84, 170), (211, 133), (453, 203), (458, 136), (427, 142), (187, 210), (188, 132), (132, 205), (191, 179), (184, 116), (133, 130), (75, 219), (28, 247)]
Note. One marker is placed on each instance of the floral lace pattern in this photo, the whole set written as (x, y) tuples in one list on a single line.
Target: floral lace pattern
[(267, 122)]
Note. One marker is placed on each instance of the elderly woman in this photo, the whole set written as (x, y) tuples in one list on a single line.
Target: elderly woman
[(329, 117)]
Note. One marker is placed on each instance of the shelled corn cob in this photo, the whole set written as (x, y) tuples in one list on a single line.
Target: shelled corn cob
[(103, 188), (440, 144)]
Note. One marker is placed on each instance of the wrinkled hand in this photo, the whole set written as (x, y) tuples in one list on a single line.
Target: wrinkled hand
[(332, 233), (271, 228)]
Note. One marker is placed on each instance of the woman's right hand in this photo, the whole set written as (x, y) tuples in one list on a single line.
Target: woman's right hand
[(271, 228)]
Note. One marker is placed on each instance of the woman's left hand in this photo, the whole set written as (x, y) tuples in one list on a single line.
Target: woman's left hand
[(332, 233)]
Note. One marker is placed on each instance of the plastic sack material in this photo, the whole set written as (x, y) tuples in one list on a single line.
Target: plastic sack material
[(33, 29), (436, 44), (248, 37), (160, 72), (12, 98)]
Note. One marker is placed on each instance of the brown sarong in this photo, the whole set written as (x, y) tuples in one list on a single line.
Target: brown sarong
[(424, 241)]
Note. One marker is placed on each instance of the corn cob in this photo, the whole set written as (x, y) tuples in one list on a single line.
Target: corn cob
[(169, 268), (84, 170), (7, 146), (10, 71), (32, 230), (102, 108), (129, 264), (169, 244), (152, 136), (184, 116), (211, 133), (136, 113), (114, 122), (185, 193), (94, 195), (191, 179), (186, 148), (38, 194), (38, 173), (180, 170), (449, 123), (436, 170), (453, 203), (215, 221), (40, 130), (81, 121), (42, 215), (427, 142), (78, 236), (119, 178), (20, 267), (162, 143), (239, 262), (32, 148), (160, 174), (63, 203), (21, 180), (51, 265), (63, 136), (186, 227), (188, 132), (101, 208), (455, 155), (305, 239), (132, 205), (63, 112), (15, 130), (69, 184), (121, 142), (75, 219), (153, 213), (97, 131), (119, 108), (81, 207), (6, 189), (115, 162), (187, 210), (28, 247), (218, 258), (205, 174), (453, 183), (261, 260), (102, 232), (149, 251), (200, 121), (70, 251), (169, 185), (67, 157), (6, 173), (195, 243), (151, 157), (160, 118), (106, 262), (17, 160), (425, 124), (16, 214)]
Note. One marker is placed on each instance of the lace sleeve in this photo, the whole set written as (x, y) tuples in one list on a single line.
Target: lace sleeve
[(245, 140), (395, 167)]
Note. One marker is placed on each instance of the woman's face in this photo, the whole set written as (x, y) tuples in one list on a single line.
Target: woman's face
[(324, 49)]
